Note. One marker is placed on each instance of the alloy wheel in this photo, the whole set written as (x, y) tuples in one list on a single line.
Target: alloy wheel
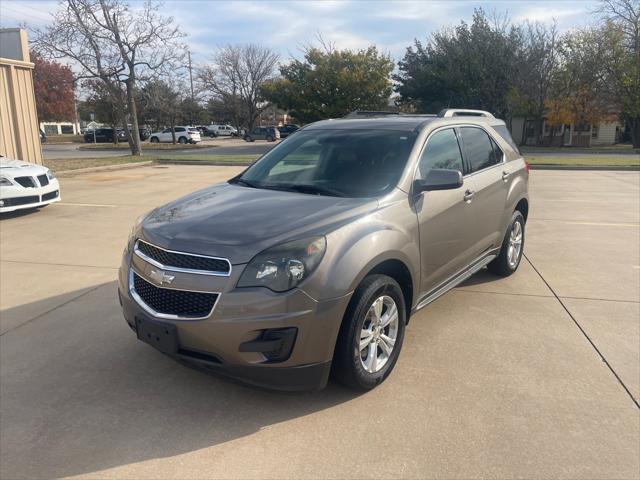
[(379, 334), (515, 244)]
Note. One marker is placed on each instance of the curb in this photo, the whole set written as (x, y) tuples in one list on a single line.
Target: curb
[(105, 168), (619, 168), (236, 163)]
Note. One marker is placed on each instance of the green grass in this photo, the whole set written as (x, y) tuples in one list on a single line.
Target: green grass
[(66, 164), (145, 146), (592, 161), (600, 149), (60, 165), (215, 158), (53, 139), (76, 163)]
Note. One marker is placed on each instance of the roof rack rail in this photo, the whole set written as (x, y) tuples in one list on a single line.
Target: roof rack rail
[(457, 112), (369, 113)]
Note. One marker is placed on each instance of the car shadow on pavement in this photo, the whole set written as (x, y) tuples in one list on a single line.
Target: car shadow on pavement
[(79, 394), (482, 276)]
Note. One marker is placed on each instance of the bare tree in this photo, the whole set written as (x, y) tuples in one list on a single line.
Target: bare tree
[(120, 45), (623, 64), (538, 60), (236, 75)]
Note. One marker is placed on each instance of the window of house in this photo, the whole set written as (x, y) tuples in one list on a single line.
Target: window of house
[(595, 130)]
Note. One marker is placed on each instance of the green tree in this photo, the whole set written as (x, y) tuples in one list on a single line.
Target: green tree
[(331, 83), (163, 105), (101, 102), (471, 66), (582, 91)]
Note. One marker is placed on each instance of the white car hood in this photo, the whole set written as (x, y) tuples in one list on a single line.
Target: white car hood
[(17, 168)]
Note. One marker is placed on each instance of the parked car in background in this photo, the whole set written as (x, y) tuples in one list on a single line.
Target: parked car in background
[(223, 130), (270, 134), (287, 129), (26, 185), (144, 133), (104, 135), (183, 135), (43, 137), (313, 259), (206, 132)]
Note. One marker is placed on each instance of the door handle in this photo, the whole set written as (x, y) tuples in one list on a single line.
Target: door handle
[(468, 195), (505, 175)]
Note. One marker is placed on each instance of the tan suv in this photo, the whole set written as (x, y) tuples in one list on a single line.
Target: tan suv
[(314, 258)]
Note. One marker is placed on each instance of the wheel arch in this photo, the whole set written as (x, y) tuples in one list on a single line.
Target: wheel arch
[(399, 271), (523, 207)]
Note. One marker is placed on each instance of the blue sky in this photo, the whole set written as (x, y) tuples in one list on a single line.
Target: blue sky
[(286, 26)]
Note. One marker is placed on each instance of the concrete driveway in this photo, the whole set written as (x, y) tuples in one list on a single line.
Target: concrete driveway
[(534, 376)]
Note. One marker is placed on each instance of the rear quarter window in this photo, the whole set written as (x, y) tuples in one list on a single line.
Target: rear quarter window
[(503, 131)]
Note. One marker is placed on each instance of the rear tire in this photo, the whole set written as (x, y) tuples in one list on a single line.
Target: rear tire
[(182, 140), (269, 138), (508, 260), (373, 332)]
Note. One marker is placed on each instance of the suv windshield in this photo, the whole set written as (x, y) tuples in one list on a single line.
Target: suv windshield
[(350, 163)]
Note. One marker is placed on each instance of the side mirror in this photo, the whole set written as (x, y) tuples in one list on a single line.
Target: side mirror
[(438, 179)]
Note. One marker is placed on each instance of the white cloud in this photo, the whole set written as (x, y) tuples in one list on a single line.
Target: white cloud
[(545, 14)]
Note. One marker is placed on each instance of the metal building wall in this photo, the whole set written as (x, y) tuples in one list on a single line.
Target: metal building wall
[(19, 134)]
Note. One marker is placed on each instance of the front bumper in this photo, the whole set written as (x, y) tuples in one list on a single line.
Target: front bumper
[(241, 317), (16, 197)]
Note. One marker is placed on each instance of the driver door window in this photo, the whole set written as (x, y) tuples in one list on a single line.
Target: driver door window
[(442, 151)]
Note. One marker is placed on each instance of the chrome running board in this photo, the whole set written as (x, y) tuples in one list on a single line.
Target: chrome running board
[(456, 279)]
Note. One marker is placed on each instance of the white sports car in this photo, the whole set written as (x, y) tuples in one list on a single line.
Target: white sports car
[(26, 185)]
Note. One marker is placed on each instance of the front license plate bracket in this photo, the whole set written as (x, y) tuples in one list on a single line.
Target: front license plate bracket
[(162, 336)]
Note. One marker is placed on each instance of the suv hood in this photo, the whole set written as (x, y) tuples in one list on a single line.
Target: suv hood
[(238, 222)]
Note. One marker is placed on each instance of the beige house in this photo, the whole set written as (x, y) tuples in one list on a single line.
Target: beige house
[(606, 133), (19, 134)]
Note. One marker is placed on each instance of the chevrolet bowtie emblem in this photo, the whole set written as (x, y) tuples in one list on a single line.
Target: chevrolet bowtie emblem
[(160, 277)]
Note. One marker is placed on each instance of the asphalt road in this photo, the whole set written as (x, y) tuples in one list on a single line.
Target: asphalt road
[(224, 146), (532, 376)]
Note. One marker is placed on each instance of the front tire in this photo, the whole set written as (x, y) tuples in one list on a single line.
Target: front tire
[(508, 260), (154, 140), (371, 334)]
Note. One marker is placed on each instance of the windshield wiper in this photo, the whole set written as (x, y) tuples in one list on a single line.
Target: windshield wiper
[(246, 183), (314, 189)]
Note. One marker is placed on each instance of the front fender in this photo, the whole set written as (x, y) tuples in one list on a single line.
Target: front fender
[(389, 233)]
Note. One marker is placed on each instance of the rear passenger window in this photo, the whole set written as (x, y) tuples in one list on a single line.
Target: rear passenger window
[(442, 151), (504, 133), (479, 148)]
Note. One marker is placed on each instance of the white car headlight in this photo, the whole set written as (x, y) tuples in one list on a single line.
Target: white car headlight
[(5, 182), (284, 266), (50, 175)]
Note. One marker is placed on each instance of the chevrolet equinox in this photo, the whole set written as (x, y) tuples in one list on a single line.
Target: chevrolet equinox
[(312, 260)]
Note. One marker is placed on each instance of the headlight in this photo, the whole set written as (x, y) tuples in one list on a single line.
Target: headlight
[(5, 182), (50, 175), (284, 266), (134, 231)]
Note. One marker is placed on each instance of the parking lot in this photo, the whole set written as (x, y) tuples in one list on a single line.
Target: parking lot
[(535, 375)]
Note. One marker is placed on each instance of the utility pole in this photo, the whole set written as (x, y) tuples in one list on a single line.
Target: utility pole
[(191, 82)]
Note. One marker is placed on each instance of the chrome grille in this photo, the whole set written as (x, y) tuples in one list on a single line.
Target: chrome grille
[(181, 261), (171, 303)]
